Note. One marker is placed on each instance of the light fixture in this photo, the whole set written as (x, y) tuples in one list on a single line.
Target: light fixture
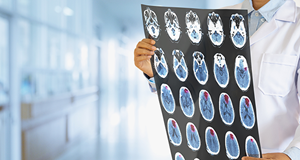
[(68, 11)]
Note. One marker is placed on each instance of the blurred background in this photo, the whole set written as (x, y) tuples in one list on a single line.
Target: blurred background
[(68, 85)]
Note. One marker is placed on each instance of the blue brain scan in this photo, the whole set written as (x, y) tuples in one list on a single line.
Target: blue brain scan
[(237, 30), (247, 113), (179, 156), (186, 102), (232, 146), (200, 68), (215, 29), (174, 132), (212, 141), (206, 106), (242, 73), (220, 70), (160, 63), (226, 109), (252, 147), (151, 23), (192, 136), (193, 27), (179, 65), (167, 98), (172, 25)]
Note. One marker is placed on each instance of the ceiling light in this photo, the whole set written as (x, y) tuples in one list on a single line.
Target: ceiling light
[(68, 11)]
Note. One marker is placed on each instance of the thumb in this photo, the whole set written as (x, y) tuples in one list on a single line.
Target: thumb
[(252, 158), (268, 155)]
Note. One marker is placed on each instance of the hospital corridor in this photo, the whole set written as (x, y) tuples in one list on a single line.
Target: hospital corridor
[(69, 89)]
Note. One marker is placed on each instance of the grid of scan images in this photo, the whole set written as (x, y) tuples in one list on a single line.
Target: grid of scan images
[(202, 71)]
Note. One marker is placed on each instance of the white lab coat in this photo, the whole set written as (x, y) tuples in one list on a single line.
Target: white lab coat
[(275, 50)]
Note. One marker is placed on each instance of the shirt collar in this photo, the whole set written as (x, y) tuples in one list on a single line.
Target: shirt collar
[(267, 11)]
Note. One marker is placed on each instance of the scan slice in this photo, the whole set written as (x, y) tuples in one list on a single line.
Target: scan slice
[(246, 112), (206, 105), (221, 70), (186, 102), (174, 132), (237, 30), (151, 23), (200, 68), (192, 137), (193, 27), (179, 156), (160, 63), (226, 109), (251, 147), (167, 98), (172, 25), (215, 29), (242, 73), (179, 65), (212, 141), (232, 146)]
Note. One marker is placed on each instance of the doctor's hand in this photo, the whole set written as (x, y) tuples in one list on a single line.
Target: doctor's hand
[(142, 54), (270, 156)]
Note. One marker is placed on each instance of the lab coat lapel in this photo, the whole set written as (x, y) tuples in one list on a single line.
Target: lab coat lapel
[(263, 31)]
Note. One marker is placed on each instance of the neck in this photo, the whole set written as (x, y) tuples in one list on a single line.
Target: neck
[(257, 4)]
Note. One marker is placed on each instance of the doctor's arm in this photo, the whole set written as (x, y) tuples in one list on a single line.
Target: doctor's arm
[(142, 54)]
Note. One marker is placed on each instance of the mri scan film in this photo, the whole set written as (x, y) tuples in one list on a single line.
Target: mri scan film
[(203, 79)]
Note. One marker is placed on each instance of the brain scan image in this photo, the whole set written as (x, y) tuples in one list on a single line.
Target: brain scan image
[(192, 136), (179, 65), (186, 102), (252, 147), (215, 29), (200, 68), (232, 146), (247, 113), (160, 63), (193, 27), (174, 132), (242, 73), (226, 109), (206, 106), (179, 156), (172, 25), (220, 70), (196, 159), (212, 141), (237, 30), (167, 98), (151, 23)]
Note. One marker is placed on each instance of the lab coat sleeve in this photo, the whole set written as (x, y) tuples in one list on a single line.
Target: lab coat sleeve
[(293, 153), (151, 82)]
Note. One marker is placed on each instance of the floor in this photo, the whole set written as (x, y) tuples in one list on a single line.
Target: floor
[(131, 132)]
